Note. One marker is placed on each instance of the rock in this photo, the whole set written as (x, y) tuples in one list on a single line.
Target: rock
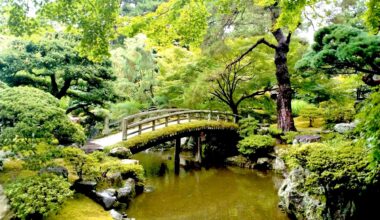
[(115, 179), (129, 161), (345, 127), (85, 187), (297, 203), (303, 139), (263, 163), (279, 165), (128, 192), (116, 215), (4, 207), (105, 198), (120, 152), (57, 170)]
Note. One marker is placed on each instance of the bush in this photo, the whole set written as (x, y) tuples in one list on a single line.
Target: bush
[(289, 136), (38, 196), (255, 146), (310, 113), (339, 166), (248, 126), (337, 113), (298, 105)]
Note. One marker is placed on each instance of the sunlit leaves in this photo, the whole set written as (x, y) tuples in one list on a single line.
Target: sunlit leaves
[(372, 16)]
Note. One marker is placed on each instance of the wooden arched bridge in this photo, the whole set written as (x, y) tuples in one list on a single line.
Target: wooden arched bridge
[(158, 125)]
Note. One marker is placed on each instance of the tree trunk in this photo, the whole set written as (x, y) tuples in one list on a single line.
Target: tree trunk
[(235, 111), (285, 120)]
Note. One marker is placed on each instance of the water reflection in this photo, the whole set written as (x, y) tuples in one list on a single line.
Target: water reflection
[(215, 193)]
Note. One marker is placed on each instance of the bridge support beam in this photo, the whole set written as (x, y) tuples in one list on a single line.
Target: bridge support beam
[(176, 155)]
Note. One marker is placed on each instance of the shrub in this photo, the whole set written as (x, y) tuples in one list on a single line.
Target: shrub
[(337, 113), (298, 105), (289, 136), (255, 146), (311, 113), (38, 196), (339, 166), (248, 126)]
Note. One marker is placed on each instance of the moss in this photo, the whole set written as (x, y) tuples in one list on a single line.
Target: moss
[(13, 169), (81, 207), (145, 138)]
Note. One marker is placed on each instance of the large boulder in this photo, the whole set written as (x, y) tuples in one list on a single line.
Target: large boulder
[(106, 198), (304, 139), (127, 192), (4, 207), (57, 170), (85, 187), (278, 165), (345, 127), (116, 215), (297, 203), (120, 152)]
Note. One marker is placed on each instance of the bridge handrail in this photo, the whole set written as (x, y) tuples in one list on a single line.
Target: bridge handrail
[(188, 113), (144, 113)]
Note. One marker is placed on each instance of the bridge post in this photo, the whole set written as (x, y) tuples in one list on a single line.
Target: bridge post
[(178, 119), (166, 121), (153, 125), (176, 155), (124, 125), (140, 129)]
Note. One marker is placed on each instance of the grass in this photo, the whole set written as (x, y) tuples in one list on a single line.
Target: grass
[(146, 138), (81, 207)]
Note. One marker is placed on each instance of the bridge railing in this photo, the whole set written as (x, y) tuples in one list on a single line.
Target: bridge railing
[(130, 126)]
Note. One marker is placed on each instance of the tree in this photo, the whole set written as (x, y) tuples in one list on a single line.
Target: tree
[(29, 116), (136, 69), (228, 84), (341, 49), (93, 19), (38, 196), (53, 65)]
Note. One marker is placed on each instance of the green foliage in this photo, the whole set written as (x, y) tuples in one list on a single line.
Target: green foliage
[(343, 49), (289, 136), (137, 7), (38, 196), (94, 20), (54, 65), (337, 113), (136, 69), (29, 120), (247, 127), (368, 126), (311, 113), (255, 146), (298, 105), (341, 167), (83, 164), (187, 19), (372, 16)]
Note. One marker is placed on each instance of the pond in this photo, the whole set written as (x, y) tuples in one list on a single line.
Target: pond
[(214, 193)]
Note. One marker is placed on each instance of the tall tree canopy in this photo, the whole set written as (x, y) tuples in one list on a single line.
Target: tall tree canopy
[(341, 49), (93, 19), (53, 65)]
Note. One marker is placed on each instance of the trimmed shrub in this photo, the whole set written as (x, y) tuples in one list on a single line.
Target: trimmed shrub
[(38, 196), (255, 146), (248, 126)]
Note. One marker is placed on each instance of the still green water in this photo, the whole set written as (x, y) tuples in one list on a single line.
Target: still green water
[(215, 193)]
